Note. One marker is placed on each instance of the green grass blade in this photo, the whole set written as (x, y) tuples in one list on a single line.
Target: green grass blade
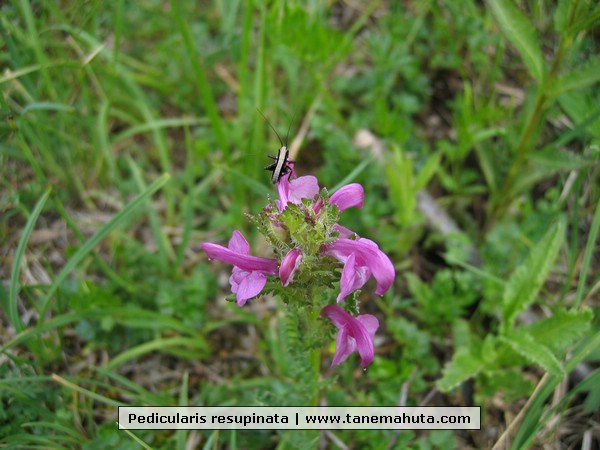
[(162, 242), (93, 395), (206, 92), (55, 322), (13, 313), (354, 173), (161, 344), (137, 439), (183, 401), (40, 55), (587, 256), (156, 124), (99, 236)]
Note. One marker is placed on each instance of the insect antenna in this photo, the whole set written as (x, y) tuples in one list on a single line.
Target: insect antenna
[(273, 128), (288, 131)]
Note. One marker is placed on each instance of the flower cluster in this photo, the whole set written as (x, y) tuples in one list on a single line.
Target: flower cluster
[(303, 230)]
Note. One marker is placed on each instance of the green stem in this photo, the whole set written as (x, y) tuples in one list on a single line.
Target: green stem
[(315, 360), (542, 103)]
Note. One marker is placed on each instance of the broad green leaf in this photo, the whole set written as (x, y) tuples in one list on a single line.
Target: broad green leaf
[(463, 365), (519, 30), (525, 282), (525, 345), (560, 330), (578, 78)]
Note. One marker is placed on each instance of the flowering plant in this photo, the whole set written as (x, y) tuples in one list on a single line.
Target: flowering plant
[(302, 227)]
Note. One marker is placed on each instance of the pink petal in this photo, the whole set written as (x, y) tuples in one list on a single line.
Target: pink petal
[(351, 195), (343, 231), (353, 278), (364, 344), (303, 187), (354, 334), (317, 206), (289, 265), (283, 189), (370, 323), (236, 277), (238, 243), (243, 261), (295, 190), (250, 286), (367, 254), (344, 346)]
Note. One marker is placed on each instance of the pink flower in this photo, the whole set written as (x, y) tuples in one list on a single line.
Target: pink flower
[(289, 265), (249, 274), (348, 196), (293, 191), (362, 258), (354, 334)]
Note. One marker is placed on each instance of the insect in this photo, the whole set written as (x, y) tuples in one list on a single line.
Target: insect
[(280, 167)]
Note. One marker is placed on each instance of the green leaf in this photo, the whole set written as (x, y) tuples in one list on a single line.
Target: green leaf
[(533, 421), (578, 78), (561, 330), (93, 241), (583, 110), (427, 171), (561, 15), (400, 178), (13, 312), (163, 344), (463, 365), (520, 32), (590, 249), (525, 345), (554, 159), (525, 282)]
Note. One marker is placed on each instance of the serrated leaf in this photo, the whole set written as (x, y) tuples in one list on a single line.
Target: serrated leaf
[(463, 366), (582, 110), (525, 345), (578, 78), (555, 159), (525, 282), (418, 288), (520, 32), (561, 330)]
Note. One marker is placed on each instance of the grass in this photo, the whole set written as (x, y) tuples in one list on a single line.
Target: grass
[(129, 134)]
